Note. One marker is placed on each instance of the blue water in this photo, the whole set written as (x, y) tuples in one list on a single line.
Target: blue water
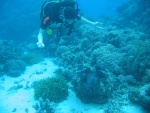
[(100, 8), (19, 19)]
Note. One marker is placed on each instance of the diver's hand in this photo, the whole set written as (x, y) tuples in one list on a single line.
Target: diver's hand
[(40, 45), (98, 24)]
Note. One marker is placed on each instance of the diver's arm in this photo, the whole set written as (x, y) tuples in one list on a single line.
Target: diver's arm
[(40, 43), (90, 22)]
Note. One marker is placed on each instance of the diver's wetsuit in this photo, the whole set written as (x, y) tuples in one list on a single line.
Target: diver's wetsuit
[(51, 11), (51, 15)]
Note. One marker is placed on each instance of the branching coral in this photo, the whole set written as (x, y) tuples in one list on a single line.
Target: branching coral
[(55, 89)]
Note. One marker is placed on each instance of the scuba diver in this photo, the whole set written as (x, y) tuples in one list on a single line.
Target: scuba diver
[(55, 14)]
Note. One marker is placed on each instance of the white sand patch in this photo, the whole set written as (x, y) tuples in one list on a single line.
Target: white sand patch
[(20, 100), (23, 98), (130, 108), (74, 105)]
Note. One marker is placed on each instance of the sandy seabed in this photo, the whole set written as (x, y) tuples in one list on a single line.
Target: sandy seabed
[(22, 99)]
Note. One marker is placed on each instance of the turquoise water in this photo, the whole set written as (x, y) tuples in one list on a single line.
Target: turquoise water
[(103, 8)]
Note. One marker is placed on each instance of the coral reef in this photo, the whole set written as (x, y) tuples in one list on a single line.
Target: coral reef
[(14, 68), (31, 58), (55, 89), (141, 96), (44, 106), (138, 62), (107, 58), (92, 89), (8, 51), (103, 64), (135, 13), (60, 50)]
